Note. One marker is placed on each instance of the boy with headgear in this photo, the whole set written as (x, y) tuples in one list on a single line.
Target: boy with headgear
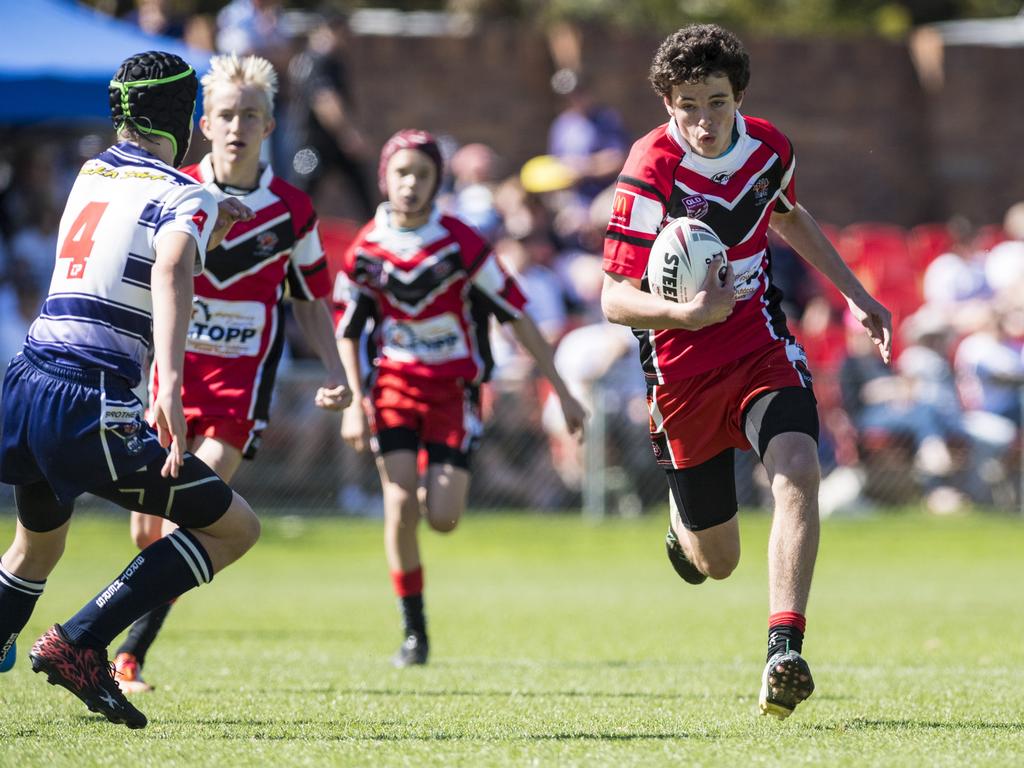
[(133, 234), (430, 282)]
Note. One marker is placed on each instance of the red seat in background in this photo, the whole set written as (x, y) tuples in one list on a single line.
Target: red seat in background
[(926, 242)]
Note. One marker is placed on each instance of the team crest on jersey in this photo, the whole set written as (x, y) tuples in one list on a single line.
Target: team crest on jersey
[(622, 209), (442, 269), (721, 178), (761, 191), (696, 206), (372, 272), (266, 243)]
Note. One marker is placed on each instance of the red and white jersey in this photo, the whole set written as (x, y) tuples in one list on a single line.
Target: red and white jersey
[(236, 335), (430, 292), (735, 194)]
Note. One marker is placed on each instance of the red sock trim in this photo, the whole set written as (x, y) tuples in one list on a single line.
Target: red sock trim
[(407, 583), (788, 618)]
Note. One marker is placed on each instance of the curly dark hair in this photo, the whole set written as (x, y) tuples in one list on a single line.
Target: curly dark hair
[(697, 51)]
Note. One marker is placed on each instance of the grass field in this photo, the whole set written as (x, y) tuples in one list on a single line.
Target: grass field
[(554, 643)]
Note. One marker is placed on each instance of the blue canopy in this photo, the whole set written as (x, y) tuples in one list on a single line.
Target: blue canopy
[(57, 58)]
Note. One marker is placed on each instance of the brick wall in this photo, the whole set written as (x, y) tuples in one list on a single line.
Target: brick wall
[(871, 144)]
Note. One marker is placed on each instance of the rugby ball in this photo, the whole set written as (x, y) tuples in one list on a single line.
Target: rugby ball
[(680, 257)]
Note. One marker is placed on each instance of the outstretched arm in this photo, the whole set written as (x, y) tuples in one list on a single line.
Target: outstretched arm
[(533, 342), (800, 230), (314, 318)]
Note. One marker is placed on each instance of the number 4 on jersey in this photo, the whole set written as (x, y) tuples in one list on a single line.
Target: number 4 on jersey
[(78, 243)]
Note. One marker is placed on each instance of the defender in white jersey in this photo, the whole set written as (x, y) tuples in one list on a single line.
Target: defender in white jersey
[(133, 234)]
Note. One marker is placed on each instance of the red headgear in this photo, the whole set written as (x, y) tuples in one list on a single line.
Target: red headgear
[(409, 139)]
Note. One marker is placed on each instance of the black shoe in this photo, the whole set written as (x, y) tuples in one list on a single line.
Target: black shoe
[(413, 651), (85, 672), (687, 571), (785, 683)]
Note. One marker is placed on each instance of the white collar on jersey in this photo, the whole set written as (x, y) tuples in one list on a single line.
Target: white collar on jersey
[(209, 177), (382, 220), (709, 166)]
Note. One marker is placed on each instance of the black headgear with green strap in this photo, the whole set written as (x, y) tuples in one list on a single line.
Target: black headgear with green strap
[(155, 93)]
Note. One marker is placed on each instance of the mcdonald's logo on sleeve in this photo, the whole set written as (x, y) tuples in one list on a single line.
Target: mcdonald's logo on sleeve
[(622, 209)]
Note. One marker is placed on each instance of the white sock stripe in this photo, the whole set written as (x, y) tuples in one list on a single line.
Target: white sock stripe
[(197, 556), (187, 557), (22, 585)]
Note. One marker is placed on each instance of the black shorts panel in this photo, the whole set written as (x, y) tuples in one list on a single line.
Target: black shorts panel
[(38, 508), (705, 495), (791, 409), (439, 453), (196, 498), (396, 439)]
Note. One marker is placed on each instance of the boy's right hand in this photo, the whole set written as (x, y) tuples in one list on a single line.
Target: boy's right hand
[(229, 211), (354, 428), (171, 430), (716, 298)]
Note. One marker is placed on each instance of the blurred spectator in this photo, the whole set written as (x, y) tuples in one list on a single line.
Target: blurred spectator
[(958, 275), (988, 365), (1004, 266), (900, 433), (587, 136), (473, 181), (253, 26), (158, 17), (20, 299), (321, 118), (530, 258), (989, 376), (34, 247)]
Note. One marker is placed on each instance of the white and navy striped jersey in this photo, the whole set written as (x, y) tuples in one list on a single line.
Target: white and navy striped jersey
[(99, 311)]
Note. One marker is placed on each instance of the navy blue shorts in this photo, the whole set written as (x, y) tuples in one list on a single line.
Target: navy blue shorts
[(77, 430)]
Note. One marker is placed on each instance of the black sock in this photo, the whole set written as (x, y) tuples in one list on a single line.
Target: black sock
[(783, 638), (162, 571), (413, 619), (18, 598), (144, 632)]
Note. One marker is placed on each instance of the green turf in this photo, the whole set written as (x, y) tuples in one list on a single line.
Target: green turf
[(555, 643)]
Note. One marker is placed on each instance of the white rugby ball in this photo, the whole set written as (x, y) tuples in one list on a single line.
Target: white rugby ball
[(680, 257)]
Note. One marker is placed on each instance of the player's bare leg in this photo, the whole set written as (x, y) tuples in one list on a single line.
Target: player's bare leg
[(28, 562), (222, 458), (399, 476), (713, 552), (445, 498), (34, 555), (791, 460)]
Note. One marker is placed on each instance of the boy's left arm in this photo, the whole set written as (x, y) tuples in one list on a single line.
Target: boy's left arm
[(798, 228), (527, 333), (314, 318)]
